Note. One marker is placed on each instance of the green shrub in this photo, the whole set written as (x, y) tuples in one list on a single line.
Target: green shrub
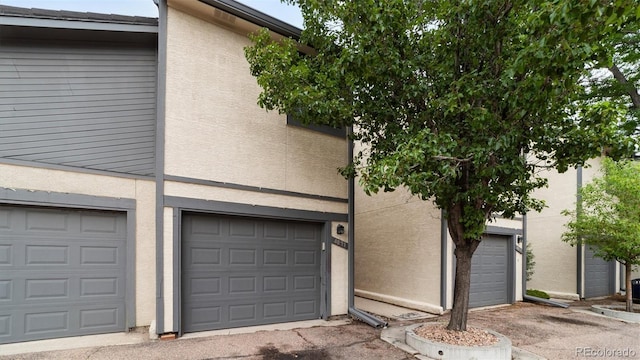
[(538, 293), (530, 262)]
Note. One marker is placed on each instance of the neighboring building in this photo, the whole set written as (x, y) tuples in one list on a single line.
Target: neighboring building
[(77, 168), (561, 270), (404, 255), (141, 183)]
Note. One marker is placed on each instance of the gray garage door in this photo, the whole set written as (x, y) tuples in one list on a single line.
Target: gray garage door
[(489, 272), (243, 271), (598, 275), (61, 273)]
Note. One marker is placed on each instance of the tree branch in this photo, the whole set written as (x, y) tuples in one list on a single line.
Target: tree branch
[(451, 158), (633, 92)]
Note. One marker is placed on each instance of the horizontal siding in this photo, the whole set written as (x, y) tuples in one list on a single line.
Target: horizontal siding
[(77, 104)]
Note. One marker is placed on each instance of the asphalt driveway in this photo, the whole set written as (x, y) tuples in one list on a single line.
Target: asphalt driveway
[(353, 341), (557, 333), (549, 332)]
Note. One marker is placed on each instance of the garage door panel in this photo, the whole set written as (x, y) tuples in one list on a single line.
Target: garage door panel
[(304, 282), (200, 225), (46, 221), (71, 251), (6, 255), (275, 310), (46, 322), (98, 318), (202, 255), (275, 231), (240, 256), (243, 312), (204, 316), (238, 286), (93, 224), (34, 286), (204, 286), (275, 284), (103, 287), (276, 257), (247, 312), (250, 272), (6, 290), (59, 319), (46, 289), (242, 285), (5, 327), (303, 308), (46, 255), (305, 233), (5, 222), (242, 230), (63, 273), (304, 258)]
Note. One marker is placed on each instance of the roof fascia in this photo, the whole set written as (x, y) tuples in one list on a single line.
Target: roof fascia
[(79, 25), (254, 16)]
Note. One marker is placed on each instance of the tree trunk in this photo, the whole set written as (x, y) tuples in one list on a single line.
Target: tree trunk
[(458, 320), (627, 280)]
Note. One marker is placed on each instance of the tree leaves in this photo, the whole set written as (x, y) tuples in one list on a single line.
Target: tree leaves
[(453, 100), (458, 101), (609, 215)]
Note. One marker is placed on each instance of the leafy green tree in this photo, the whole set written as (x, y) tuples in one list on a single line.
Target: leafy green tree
[(450, 99), (608, 217), (617, 82)]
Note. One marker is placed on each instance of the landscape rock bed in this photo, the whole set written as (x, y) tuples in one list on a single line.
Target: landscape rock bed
[(471, 337), (498, 350)]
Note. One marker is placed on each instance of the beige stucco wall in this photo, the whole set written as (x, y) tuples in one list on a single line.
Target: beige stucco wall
[(167, 269), (145, 252), (519, 274), (515, 223), (143, 191), (215, 130), (203, 192), (556, 263), (397, 249), (339, 272)]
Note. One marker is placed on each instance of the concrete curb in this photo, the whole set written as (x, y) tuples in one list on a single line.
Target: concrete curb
[(617, 312), (499, 351), (396, 337)]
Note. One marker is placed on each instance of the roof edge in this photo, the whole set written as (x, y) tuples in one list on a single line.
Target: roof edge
[(35, 14), (257, 17)]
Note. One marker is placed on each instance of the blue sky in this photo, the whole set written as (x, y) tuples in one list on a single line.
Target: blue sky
[(275, 8)]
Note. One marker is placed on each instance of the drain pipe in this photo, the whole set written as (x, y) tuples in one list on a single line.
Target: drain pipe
[(353, 311), (524, 255), (530, 298)]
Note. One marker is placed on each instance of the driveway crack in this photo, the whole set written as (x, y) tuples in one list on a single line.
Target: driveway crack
[(305, 339)]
